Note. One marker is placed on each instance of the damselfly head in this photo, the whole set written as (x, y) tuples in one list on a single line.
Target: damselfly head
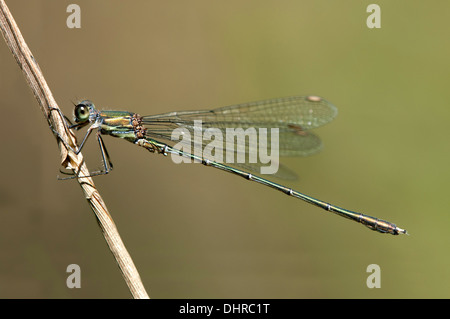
[(82, 111)]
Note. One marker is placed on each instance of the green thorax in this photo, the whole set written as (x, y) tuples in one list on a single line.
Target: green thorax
[(118, 124)]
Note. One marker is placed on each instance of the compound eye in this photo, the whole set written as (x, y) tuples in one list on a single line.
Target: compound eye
[(81, 113)]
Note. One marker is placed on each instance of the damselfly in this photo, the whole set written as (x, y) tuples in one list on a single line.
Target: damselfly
[(292, 116)]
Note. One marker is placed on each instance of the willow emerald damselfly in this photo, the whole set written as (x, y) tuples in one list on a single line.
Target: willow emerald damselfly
[(293, 117)]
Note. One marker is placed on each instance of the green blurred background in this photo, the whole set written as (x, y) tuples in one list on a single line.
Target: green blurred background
[(196, 232)]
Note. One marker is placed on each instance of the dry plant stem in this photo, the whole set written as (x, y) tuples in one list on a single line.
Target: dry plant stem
[(69, 159)]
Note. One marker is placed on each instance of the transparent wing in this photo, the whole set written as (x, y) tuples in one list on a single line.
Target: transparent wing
[(292, 116)]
